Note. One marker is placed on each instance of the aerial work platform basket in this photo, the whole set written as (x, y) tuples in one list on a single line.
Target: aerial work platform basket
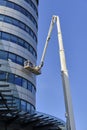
[(32, 68)]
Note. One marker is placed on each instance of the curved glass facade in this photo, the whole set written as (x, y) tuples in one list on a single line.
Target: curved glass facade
[(32, 5), (19, 24), (18, 43), (18, 8), (18, 80)]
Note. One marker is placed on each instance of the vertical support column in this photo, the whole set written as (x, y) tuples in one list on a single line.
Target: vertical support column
[(70, 123)]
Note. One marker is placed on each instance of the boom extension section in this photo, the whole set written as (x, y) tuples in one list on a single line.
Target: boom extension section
[(37, 69)]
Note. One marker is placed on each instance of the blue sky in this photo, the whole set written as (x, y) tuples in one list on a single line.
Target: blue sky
[(73, 18)]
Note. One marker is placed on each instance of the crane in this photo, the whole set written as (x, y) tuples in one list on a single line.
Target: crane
[(70, 123)]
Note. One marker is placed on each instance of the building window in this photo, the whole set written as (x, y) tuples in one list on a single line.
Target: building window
[(0, 34), (20, 9), (1, 17), (29, 86), (33, 90), (3, 55), (17, 7), (18, 41), (28, 107), (22, 25), (11, 78), (2, 2), (18, 80), (32, 5), (5, 36), (31, 49), (26, 45), (15, 79), (20, 60), (18, 103), (23, 105), (3, 76), (12, 57), (32, 109), (10, 4), (24, 83), (13, 38), (7, 19)]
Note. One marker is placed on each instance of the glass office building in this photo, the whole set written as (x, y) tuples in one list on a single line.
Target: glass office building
[(18, 43)]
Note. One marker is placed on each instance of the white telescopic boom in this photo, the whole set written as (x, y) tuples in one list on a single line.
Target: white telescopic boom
[(70, 123), (65, 79), (47, 41)]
